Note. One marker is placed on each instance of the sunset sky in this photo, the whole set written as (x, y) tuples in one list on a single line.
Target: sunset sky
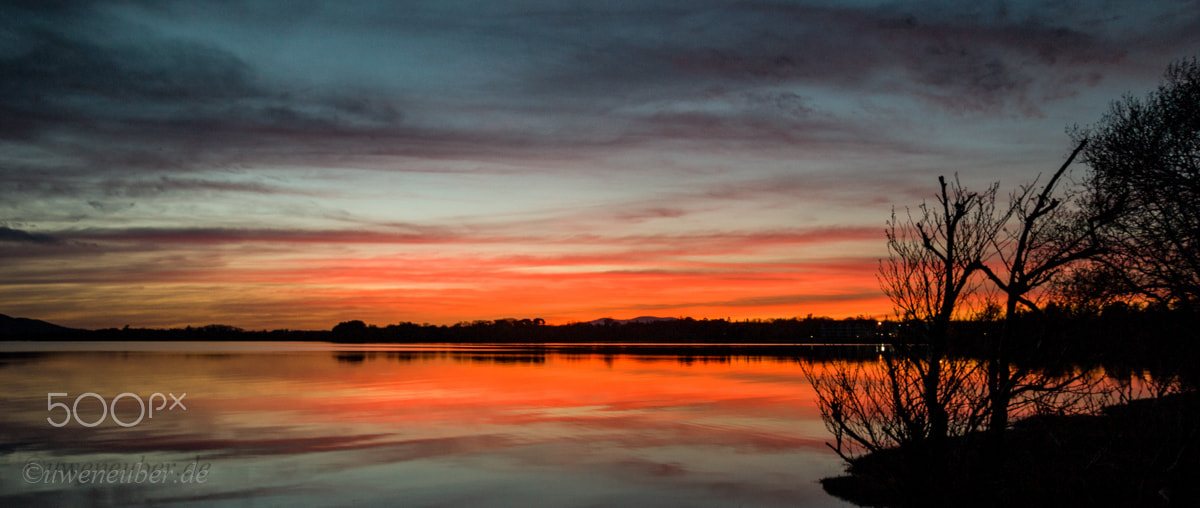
[(292, 165)]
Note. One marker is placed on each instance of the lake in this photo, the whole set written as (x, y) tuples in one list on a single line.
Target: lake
[(315, 424)]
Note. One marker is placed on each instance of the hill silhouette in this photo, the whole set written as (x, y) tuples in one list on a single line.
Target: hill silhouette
[(25, 326), (639, 319)]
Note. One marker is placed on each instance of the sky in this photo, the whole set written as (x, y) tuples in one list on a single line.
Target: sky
[(294, 165)]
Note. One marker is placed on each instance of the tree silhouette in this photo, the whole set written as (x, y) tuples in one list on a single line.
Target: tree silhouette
[(920, 395), (1132, 228), (1145, 161), (871, 409), (1053, 231), (928, 274)]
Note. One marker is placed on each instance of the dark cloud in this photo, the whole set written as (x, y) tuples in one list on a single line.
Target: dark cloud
[(49, 185), (1006, 68), (650, 213), (213, 236), (61, 81), (149, 100), (61, 68), (19, 236), (165, 184), (18, 245), (144, 100), (989, 64), (427, 234)]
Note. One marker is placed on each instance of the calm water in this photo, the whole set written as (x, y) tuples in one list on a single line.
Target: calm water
[(304, 424)]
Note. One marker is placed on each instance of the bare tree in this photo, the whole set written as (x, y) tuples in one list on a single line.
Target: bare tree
[(919, 395), (1052, 232), (929, 272), (873, 407)]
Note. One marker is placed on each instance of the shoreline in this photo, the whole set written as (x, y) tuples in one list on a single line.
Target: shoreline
[(1138, 453)]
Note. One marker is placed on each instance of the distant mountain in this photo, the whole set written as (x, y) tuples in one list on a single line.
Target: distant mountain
[(642, 319), (25, 326)]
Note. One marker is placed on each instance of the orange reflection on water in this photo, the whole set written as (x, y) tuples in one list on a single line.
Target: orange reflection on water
[(599, 425)]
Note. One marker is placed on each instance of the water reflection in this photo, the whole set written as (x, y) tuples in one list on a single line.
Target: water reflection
[(1067, 420), (430, 425)]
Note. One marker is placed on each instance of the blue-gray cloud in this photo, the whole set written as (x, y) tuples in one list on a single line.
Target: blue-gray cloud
[(525, 77)]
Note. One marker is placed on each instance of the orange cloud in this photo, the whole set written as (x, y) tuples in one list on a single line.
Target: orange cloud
[(277, 279)]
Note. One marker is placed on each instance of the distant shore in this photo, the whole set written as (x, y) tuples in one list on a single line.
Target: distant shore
[(505, 331)]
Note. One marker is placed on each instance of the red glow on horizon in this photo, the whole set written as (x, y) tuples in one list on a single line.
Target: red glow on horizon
[(262, 286), (446, 291)]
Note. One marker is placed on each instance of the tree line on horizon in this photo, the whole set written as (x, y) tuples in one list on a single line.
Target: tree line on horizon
[(682, 330)]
